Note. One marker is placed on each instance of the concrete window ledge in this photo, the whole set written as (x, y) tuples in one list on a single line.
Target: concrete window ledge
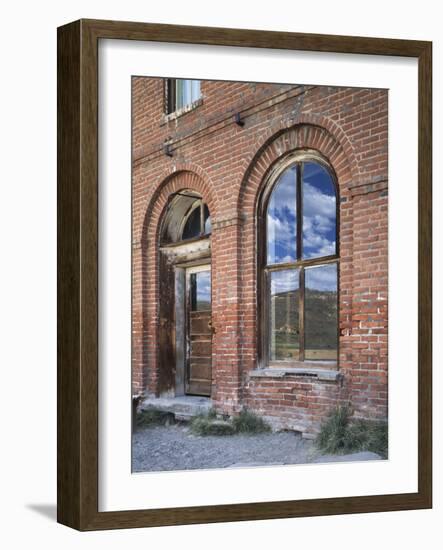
[(182, 111), (330, 375)]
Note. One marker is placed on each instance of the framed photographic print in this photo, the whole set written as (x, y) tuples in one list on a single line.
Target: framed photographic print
[(244, 276)]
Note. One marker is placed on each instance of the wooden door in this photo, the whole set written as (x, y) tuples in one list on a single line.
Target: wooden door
[(199, 331)]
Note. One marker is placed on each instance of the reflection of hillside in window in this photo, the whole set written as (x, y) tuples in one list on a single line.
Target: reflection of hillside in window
[(301, 265)]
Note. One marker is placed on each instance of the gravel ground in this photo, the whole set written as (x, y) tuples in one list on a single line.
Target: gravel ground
[(175, 448)]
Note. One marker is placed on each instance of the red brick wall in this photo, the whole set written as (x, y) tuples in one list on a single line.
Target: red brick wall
[(227, 164)]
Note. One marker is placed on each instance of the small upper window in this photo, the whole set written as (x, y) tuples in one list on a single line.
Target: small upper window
[(181, 92), (187, 218)]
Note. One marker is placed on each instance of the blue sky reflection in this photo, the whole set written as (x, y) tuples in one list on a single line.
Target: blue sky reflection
[(319, 212), (281, 219)]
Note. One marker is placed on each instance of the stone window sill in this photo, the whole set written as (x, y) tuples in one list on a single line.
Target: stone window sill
[(182, 111), (327, 374)]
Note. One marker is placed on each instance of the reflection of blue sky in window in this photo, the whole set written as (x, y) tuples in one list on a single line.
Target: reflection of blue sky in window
[(284, 281), (319, 212), (323, 278), (281, 219), (204, 286)]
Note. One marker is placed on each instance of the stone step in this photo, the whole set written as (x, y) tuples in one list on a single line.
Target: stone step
[(184, 407)]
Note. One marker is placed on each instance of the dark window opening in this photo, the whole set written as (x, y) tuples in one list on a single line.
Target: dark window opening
[(192, 226)]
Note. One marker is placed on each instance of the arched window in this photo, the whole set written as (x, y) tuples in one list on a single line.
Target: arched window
[(187, 218), (300, 265)]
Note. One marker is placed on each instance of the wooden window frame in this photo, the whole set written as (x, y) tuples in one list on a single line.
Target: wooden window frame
[(170, 96), (263, 304)]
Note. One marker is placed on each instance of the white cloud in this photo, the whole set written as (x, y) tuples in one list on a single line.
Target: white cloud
[(321, 278), (319, 220), (284, 281), (317, 202)]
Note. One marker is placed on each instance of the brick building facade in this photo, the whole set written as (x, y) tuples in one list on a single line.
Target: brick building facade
[(220, 157)]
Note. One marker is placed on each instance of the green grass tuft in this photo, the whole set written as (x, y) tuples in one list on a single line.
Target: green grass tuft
[(339, 434), (248, 422), (212, 413), (153, 417), (204, 425)]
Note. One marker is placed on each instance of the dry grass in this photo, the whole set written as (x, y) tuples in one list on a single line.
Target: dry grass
[(340, 434)]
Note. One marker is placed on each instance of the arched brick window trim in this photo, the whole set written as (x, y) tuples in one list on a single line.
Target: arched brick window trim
[(179, 177), (329, 142)]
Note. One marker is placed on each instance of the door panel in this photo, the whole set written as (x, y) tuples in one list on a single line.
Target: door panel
[(200, 322), (199, 333)]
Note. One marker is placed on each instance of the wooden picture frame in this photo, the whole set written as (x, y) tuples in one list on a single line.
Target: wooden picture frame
[(78, 274)]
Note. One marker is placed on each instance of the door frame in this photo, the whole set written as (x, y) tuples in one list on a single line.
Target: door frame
[(188, 271)]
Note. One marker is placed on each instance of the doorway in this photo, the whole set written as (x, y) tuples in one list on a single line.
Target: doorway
[(198, 331)]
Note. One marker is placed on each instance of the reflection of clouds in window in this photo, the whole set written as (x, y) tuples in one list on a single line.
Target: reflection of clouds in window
[(204, 291), (322, 278), (284, 281), (319, 212), (204, 287), (281, 219), (317, 224)]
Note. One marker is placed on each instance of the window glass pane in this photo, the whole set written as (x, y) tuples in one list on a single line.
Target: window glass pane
[(321, 339), (192, 225), (195, 86), (207, 220), (281, 220), (187, 91), (200, 291), (284, 318), (319, 212), (179, 93)]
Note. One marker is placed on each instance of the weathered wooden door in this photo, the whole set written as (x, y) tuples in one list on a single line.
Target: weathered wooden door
[(199, 331)]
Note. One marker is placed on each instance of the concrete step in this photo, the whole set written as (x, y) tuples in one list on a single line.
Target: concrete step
[(183, 407)]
